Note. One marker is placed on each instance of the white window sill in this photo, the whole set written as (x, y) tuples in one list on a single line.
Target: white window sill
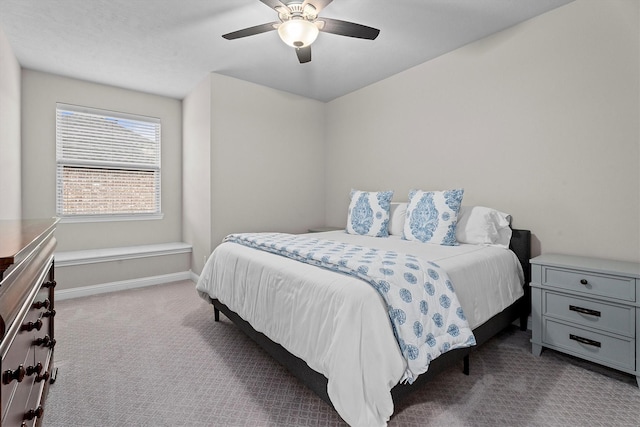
[(92, 256), (108, 218)]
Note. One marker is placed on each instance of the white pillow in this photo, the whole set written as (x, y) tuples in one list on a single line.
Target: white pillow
[(480, 225), (432, 216), (369, 213), (397, 214)]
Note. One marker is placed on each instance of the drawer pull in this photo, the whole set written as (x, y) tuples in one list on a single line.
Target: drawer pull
[(49, 313), (43, 377), (34, 369), (582, 310), (50, 284), (30, 326), (586, 341), (584, 282), (39, 304), (9, 375), (45, 341), (33, 413)]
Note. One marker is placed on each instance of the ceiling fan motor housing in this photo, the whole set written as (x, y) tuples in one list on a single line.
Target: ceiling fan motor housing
[(297, 28), (296, 11)]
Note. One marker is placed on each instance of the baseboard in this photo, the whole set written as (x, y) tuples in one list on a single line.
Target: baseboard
[(103, 288), (194, 277)]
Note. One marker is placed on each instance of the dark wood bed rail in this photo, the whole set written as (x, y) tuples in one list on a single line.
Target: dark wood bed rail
[(520, 244)]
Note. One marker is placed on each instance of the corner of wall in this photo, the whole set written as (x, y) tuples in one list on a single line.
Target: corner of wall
[(10, 132)]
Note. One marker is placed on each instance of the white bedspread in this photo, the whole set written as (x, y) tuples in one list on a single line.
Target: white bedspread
[(337, 323)]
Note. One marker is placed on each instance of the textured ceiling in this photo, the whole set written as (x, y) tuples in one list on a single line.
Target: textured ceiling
[(167, 47)]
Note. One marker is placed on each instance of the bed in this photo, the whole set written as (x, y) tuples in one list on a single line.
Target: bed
[(332, 330)]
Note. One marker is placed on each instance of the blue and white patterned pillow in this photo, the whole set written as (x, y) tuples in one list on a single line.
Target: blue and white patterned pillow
[(432, 216), (369, 213)]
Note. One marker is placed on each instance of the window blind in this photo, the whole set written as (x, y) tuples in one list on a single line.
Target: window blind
[(108, 163)]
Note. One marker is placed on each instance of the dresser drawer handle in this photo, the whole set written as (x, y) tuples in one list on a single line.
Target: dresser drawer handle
[(585, 340), (39, 304), (584, 282), (49, 313), (584, 311), (9, 375), (43, 377), (34, 413), (30, 326), (50, 284), (45, 341), (34, 369)]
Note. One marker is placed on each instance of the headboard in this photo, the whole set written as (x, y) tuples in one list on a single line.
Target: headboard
[(521, 245)]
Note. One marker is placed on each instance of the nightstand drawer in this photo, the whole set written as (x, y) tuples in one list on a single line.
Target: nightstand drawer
[(619, 287), (590, 313), (613, 351)]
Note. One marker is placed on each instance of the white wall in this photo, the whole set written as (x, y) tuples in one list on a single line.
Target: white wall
[(262, 151), (540, 120), (196, 177), (40, 92), (10, 166), (267, 159)]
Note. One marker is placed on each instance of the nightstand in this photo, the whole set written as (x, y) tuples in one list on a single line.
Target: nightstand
[(587, 307), (322, 229)]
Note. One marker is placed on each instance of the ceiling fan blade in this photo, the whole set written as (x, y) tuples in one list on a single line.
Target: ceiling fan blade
[(304, 54), (274, 3), (318, 4), (258, 29), (349, 29)]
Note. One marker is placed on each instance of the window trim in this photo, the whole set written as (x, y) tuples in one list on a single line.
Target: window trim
[(130, 216), (68, 219)]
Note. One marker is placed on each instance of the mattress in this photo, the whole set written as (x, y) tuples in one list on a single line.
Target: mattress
[(337, 323)]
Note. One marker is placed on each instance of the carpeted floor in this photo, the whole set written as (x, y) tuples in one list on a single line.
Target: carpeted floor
[(155, 357)]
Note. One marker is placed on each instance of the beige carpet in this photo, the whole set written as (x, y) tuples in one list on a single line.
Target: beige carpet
[(155, 357)]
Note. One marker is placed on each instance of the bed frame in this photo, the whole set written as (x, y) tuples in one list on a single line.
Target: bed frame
[(520, 244)]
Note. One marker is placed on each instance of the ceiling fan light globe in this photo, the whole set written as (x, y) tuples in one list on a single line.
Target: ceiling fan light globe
[(298, 33)]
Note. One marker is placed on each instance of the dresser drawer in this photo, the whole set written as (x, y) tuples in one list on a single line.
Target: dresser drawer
[(33, 406), (618, 287), (590, 313), (14, 415), (42, 338), (613, 351)]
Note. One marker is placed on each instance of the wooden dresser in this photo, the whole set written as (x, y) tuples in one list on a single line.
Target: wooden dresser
[(26, 319)]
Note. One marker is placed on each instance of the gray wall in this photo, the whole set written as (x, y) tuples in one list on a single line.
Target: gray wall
[(114, 273), (10, 163), (265, 162), (196, 179), (539, 120), (40, 92), (267, 159)]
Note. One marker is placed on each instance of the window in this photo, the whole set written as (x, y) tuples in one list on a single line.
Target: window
[(108, 165)]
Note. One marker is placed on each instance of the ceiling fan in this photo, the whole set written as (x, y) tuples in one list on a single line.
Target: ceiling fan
[(299, 25)]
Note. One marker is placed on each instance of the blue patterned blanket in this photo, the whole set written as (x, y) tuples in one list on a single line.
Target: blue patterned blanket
[(425, 314)]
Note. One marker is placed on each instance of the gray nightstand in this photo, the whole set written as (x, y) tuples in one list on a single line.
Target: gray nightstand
[(587, 307), (322, 229)]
